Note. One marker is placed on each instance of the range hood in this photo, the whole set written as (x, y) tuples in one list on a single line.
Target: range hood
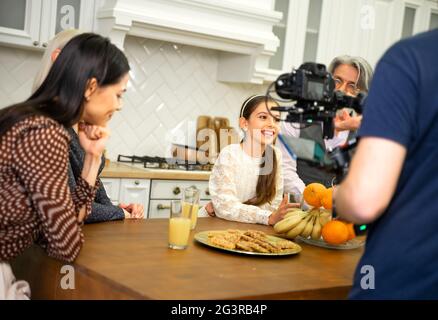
[(240, 30)]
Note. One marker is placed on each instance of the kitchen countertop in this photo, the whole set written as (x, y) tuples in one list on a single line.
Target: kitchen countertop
[(123, 170), (130, 260)]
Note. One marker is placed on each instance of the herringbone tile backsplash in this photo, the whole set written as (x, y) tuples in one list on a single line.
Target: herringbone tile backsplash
[(170, 86)]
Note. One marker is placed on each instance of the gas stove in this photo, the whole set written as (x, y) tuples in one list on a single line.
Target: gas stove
[(164, 163)]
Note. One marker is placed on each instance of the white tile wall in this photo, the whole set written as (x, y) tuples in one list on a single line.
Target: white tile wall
[(17, 71), (170, 86)]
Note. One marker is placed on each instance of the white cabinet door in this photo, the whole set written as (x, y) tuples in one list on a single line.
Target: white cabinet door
[(318, 30), (163, 191), (112, 188), (135, 191), (172, 189), (367, 28), (291, 32), (32, 23), (20, 22), (59, 15), (161, 208)]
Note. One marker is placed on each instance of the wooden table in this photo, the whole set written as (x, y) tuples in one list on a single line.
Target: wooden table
[(130, 260)]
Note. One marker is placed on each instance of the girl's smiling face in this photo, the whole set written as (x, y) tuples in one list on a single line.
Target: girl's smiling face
[(261, 126)]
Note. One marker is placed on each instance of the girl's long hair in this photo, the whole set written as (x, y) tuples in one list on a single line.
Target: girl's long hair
[(61, 95), (266, 185)]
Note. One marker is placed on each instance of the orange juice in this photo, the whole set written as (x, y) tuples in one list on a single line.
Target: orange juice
[(186, 207), (179, 231)]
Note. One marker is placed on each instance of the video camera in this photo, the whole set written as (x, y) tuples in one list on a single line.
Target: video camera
[(312, 88)]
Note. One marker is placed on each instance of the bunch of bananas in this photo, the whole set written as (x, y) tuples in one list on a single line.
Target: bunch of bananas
[(303, 223)]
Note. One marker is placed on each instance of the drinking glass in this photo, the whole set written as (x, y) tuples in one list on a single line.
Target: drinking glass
[(190, 205), (179, 226)]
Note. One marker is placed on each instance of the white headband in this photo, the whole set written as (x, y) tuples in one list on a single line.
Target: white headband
[(248, 100)]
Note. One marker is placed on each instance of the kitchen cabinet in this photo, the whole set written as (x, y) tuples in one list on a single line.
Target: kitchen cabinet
[(298, 32), (135, 191), (163, 191), (318, 31), (112, 188), (20, 22), (161, 208), (418, 16), (368, 28), (155, 195), (32, 23)]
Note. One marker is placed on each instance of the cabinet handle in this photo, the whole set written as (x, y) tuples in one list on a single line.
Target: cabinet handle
[(45, 45), (207, 192), (136, 182), (36, 43), (162, 207), (176, 191)]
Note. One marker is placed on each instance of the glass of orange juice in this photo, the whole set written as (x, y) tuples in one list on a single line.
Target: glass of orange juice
[(179, 226), (296, 198), (190, 205)]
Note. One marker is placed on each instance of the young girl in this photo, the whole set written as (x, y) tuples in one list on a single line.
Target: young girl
[(84, 85), (246, 183)]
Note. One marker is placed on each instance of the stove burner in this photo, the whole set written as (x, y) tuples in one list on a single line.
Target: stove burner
[(164, 163)]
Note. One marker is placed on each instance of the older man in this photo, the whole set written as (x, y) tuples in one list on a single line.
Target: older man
[(352, 75)]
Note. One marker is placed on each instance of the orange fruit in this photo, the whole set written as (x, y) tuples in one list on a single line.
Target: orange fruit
[(326, 199), (313, 193), (335, 232), (351, 233)]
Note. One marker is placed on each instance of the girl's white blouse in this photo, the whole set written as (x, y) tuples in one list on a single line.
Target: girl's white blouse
[(233, 181)]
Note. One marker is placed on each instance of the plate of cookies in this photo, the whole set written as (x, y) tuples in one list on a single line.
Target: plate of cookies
[(251, 242)]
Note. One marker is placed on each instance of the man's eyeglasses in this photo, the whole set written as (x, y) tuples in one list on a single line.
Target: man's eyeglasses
[(349, 87)]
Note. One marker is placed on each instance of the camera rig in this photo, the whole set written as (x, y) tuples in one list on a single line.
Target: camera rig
[(307, 95)]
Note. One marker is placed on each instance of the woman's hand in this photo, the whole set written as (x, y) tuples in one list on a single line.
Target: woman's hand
[(127, 214), (81, 215), (132, 210), (210, 209), (281, 211), (92, 138)]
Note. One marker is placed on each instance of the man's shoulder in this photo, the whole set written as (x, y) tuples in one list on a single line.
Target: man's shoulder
[(413, 48)]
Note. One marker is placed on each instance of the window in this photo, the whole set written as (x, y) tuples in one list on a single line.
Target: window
[(279, 30), (433, 21), (312, 32), (408, 22), (12, 14)]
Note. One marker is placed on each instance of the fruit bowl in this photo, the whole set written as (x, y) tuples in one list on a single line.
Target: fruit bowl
[(350, 244)]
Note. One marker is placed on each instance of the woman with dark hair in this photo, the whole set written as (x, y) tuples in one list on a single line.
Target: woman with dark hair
[(246, 183), (102, 208), (84, 85)]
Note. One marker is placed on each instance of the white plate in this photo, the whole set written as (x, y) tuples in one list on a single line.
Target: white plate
[(350, 244), (202, 237)]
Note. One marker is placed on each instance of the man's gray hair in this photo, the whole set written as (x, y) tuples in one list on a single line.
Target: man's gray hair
[(364, 70)]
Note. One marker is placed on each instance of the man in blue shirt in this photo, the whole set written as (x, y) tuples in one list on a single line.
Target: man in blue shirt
[(393, 178)]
